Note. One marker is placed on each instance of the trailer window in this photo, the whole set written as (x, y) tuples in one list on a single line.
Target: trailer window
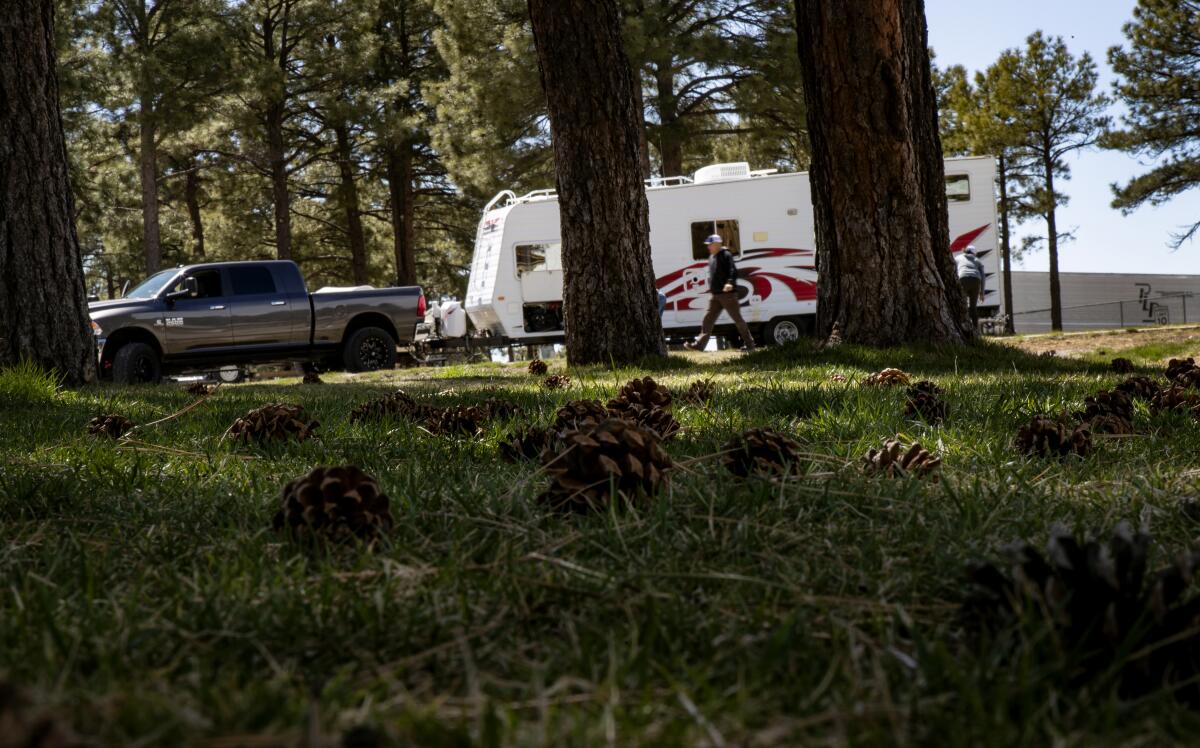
[(958, 188), (542, 256), (726, 228)]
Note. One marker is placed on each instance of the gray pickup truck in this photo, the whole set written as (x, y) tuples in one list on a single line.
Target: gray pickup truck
[(205, 316)]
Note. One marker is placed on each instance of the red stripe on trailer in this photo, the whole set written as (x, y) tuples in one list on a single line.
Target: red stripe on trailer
[(961, 242)]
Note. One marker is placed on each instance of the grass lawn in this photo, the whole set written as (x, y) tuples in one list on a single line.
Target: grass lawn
[(144, 597)]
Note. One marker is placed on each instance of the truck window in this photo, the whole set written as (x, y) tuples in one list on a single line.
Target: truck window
[(726, 228), (540, 256), (958, 188), (207, 281), (251, 281)]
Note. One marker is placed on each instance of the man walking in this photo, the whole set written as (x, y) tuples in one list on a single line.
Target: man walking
[(722, 284), (970, 278)]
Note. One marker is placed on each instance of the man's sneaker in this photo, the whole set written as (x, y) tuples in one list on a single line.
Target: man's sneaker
[(691, 345)]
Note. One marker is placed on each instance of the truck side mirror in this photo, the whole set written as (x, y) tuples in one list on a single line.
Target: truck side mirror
[(191, 289)]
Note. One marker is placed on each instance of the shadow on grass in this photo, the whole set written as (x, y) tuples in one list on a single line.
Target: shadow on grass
[(980, 357)]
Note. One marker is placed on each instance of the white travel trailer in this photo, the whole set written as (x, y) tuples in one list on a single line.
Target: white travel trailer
[(765, 218)]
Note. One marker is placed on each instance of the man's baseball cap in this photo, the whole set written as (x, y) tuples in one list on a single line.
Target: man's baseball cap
[(970, 250), (714, 239)]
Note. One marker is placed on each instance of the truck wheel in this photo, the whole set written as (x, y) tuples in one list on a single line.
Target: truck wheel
[(136, 363), (369, 349), (782, 331), (229, 375)]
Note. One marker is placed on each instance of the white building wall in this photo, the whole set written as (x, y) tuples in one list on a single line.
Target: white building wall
[(1096, 301)]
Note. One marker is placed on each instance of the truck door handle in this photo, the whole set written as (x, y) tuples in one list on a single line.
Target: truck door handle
[(278, 303), (217, 307)]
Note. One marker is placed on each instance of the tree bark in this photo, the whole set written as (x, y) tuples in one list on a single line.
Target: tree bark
[(886, 274), (1056, 322), (643, 143), (191, 197), (277, 156), (609, 297), (400, 195), (43, 305), (349, 197), (148, 158), (1006, 245)]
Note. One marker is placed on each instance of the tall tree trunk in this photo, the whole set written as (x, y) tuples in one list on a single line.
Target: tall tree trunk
[(1056, 321), (400, 195), (349, 197), (643, 144), (670, 140), (886, 273), (1006, 245), (191, 197), (148, 157), (277, 156), (609, 298), (43, 305)]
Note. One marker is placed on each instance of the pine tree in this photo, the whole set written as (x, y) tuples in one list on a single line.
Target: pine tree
[(1052, 95), (164, 61), (979, 120), (877, 176), (609, 297), (1159, 82), (43, 310)]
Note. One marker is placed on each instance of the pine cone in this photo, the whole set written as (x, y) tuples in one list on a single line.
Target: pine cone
[(925, 386), (464, 420), (312, 377), (1107, 403), (1110, 424), (556, 382), (113, 425), (645, 392), (1045, 436), (615, 456), (924, 402), (893, 460), (1099, 601), (335, 502), (22, 725), (1121, 365), (761, 450), (395, 405), (1188, 378), (274, 422), (837, 378), (199, 389), (1177, 398), (699, 392), (500, 409), (885, 378), (1141, 388), (579, 415), (1177, 366), (538, 367), (658, 420), (525, 443)]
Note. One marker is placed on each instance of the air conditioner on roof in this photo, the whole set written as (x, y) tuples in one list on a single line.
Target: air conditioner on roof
[(720, 172)]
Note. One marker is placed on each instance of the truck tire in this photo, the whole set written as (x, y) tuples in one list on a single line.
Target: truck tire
[(369, 349), (136, 363), (783, 330)]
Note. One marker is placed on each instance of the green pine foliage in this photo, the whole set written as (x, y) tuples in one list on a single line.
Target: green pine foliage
[(1159, 83)]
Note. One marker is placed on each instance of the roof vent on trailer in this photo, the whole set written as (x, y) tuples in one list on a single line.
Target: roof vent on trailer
[(719, 172)]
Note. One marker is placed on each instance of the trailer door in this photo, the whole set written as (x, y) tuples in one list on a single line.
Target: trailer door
[(539, 268)]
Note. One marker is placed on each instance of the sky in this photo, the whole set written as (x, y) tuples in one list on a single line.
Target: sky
[(972, 33)]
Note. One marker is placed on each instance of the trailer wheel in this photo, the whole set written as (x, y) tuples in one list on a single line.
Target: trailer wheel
[(136, 363), (369, 349), (783, 330)]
